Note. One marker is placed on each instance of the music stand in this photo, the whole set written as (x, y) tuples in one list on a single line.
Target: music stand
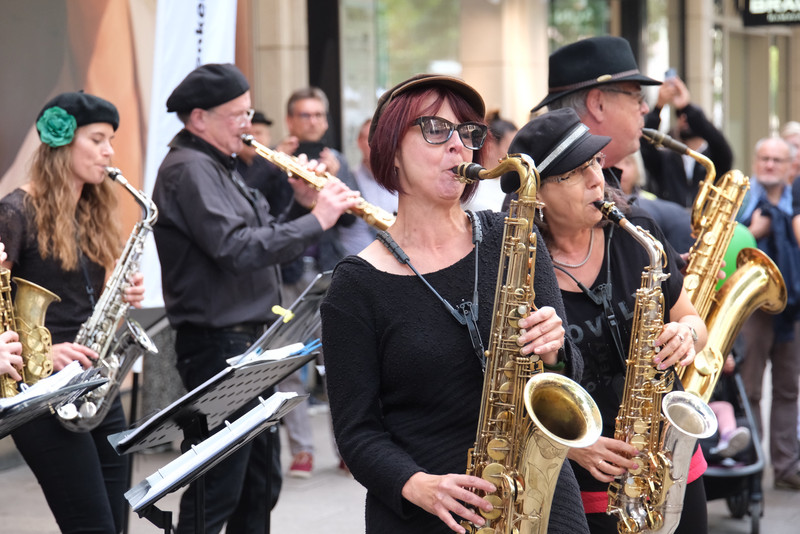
[(192, 464), (46, 395), (203, 409)]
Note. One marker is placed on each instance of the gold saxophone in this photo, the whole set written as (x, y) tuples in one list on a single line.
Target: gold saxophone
[(528, 417), (117, 354), (756, 283), (662, 424), (374, 216), (25, 316)]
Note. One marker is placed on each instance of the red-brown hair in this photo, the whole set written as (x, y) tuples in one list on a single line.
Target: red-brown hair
[(398, 118)]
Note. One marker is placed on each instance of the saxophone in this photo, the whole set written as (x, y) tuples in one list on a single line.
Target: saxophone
[(25, 316), (528, 417), (662, 424), (374, 216), (756, 283), (98, 332)]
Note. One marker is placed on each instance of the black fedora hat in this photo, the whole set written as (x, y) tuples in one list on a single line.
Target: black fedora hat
[(417, 81), (557, 141), (589, 63)]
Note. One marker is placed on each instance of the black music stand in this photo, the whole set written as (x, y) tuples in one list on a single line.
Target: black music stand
[(193, 464), (202, 410), (46, 395)]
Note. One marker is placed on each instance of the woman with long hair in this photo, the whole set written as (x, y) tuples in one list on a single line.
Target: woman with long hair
[(61, 232)]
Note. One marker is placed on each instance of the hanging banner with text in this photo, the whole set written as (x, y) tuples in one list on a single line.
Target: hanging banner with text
[(769, 12)]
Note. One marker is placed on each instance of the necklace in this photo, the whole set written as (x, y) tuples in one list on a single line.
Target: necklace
[(581, 264)]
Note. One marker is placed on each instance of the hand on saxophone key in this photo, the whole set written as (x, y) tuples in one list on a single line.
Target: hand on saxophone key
[(442, 494), (543, 334), (10, 355), (134, 293), (606, 458), (64, 354), (333, 200)]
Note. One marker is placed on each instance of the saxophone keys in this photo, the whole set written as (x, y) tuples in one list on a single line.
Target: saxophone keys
[(495, 512), (493, 473), (498, 448)]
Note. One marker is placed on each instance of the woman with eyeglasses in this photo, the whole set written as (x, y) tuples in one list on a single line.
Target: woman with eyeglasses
[(599, 268), (404, 374)]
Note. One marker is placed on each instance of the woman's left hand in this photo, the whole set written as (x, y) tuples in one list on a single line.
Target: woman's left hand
[(134, 293), (677, 345), (542, 334)]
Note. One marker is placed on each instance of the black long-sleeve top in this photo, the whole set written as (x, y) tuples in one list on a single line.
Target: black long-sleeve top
[(405, 385), (219, 250)]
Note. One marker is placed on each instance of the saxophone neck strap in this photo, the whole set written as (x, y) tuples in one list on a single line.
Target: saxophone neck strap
[(85, 269), (465, 313)]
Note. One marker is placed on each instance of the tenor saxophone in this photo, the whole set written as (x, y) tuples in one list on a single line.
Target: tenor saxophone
[(25, 315), (756, 283), (117, 354), (528, 418), (662, 424), (374, 216)]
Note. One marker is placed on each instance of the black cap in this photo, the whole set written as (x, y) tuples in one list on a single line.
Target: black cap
[(557, 141), (58, 119), (260, 118), (422, 80), (589, 63), (208, 86)]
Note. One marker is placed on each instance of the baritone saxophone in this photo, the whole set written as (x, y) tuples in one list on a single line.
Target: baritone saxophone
[(756, 283), (529, 418), (374, 216), (25, 316), (663, 425)]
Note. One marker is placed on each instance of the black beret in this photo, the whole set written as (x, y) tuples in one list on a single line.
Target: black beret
[(58, 119), (260, 118), (557, 141), (457, 85), (208, 86), (589, 63)]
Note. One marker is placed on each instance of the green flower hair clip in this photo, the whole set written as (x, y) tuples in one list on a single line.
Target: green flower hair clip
[(56, 127)]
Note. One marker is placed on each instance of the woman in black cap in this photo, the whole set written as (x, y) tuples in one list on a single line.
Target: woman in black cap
[(404, 376), (61, 232), (598, 270)]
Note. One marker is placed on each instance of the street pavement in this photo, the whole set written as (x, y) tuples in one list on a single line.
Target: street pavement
[(330, 501)]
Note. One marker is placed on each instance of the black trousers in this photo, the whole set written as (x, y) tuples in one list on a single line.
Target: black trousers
[(694, 518), (83, 478), (235, 489)]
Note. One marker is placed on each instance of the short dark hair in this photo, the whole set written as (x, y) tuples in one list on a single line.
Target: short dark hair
[(398, 118), (304, 94)]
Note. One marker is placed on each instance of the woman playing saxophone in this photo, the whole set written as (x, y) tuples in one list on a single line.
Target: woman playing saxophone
[(598, 271), (406, 321), (60, 231)]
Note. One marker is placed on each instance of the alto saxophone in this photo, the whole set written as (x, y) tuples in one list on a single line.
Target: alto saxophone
[(756, 283), (528, 417), (25, 316), (98, 332), (662, 424), (374, 216)]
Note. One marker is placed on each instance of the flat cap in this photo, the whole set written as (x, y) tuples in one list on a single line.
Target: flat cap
[(208, 86)]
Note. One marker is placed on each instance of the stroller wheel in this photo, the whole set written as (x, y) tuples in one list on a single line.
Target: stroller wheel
[(755, 517), (737, 504)]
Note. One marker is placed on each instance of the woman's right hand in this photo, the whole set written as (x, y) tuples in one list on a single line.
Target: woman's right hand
[(606, 459), (442, 494), (10, 355), (64, 354)]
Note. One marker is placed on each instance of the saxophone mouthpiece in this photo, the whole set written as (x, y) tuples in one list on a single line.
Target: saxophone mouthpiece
[(468, 172), (113, 172), (247, 139), (609, 211), (657, 139)]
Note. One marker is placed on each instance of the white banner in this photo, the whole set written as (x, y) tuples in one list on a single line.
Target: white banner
[(189, 33)]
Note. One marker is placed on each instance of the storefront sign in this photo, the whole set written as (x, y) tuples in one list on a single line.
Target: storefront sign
[(768, 12)]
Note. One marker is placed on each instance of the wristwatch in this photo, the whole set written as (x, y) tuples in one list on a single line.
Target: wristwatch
[(694, 334)]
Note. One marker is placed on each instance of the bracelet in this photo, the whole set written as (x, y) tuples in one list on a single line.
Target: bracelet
[(558, 366)]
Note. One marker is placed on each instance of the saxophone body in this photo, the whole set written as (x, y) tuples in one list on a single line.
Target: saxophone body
[(25, 315), (117, 353), (529, 418), (758, 285), (375, 216), (662, 424)]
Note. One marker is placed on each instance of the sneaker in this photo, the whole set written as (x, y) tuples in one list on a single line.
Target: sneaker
[(302, 464), (790, 482), (736, 442)]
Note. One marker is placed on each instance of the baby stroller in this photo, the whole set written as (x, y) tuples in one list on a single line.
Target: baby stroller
[(736, 479)]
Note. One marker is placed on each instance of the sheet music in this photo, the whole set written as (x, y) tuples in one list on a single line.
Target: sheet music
[(193, 463), (47, 385)]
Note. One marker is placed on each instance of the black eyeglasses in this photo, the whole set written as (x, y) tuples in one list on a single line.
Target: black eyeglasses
[(597, 161), (638, 95), (436, 131)]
